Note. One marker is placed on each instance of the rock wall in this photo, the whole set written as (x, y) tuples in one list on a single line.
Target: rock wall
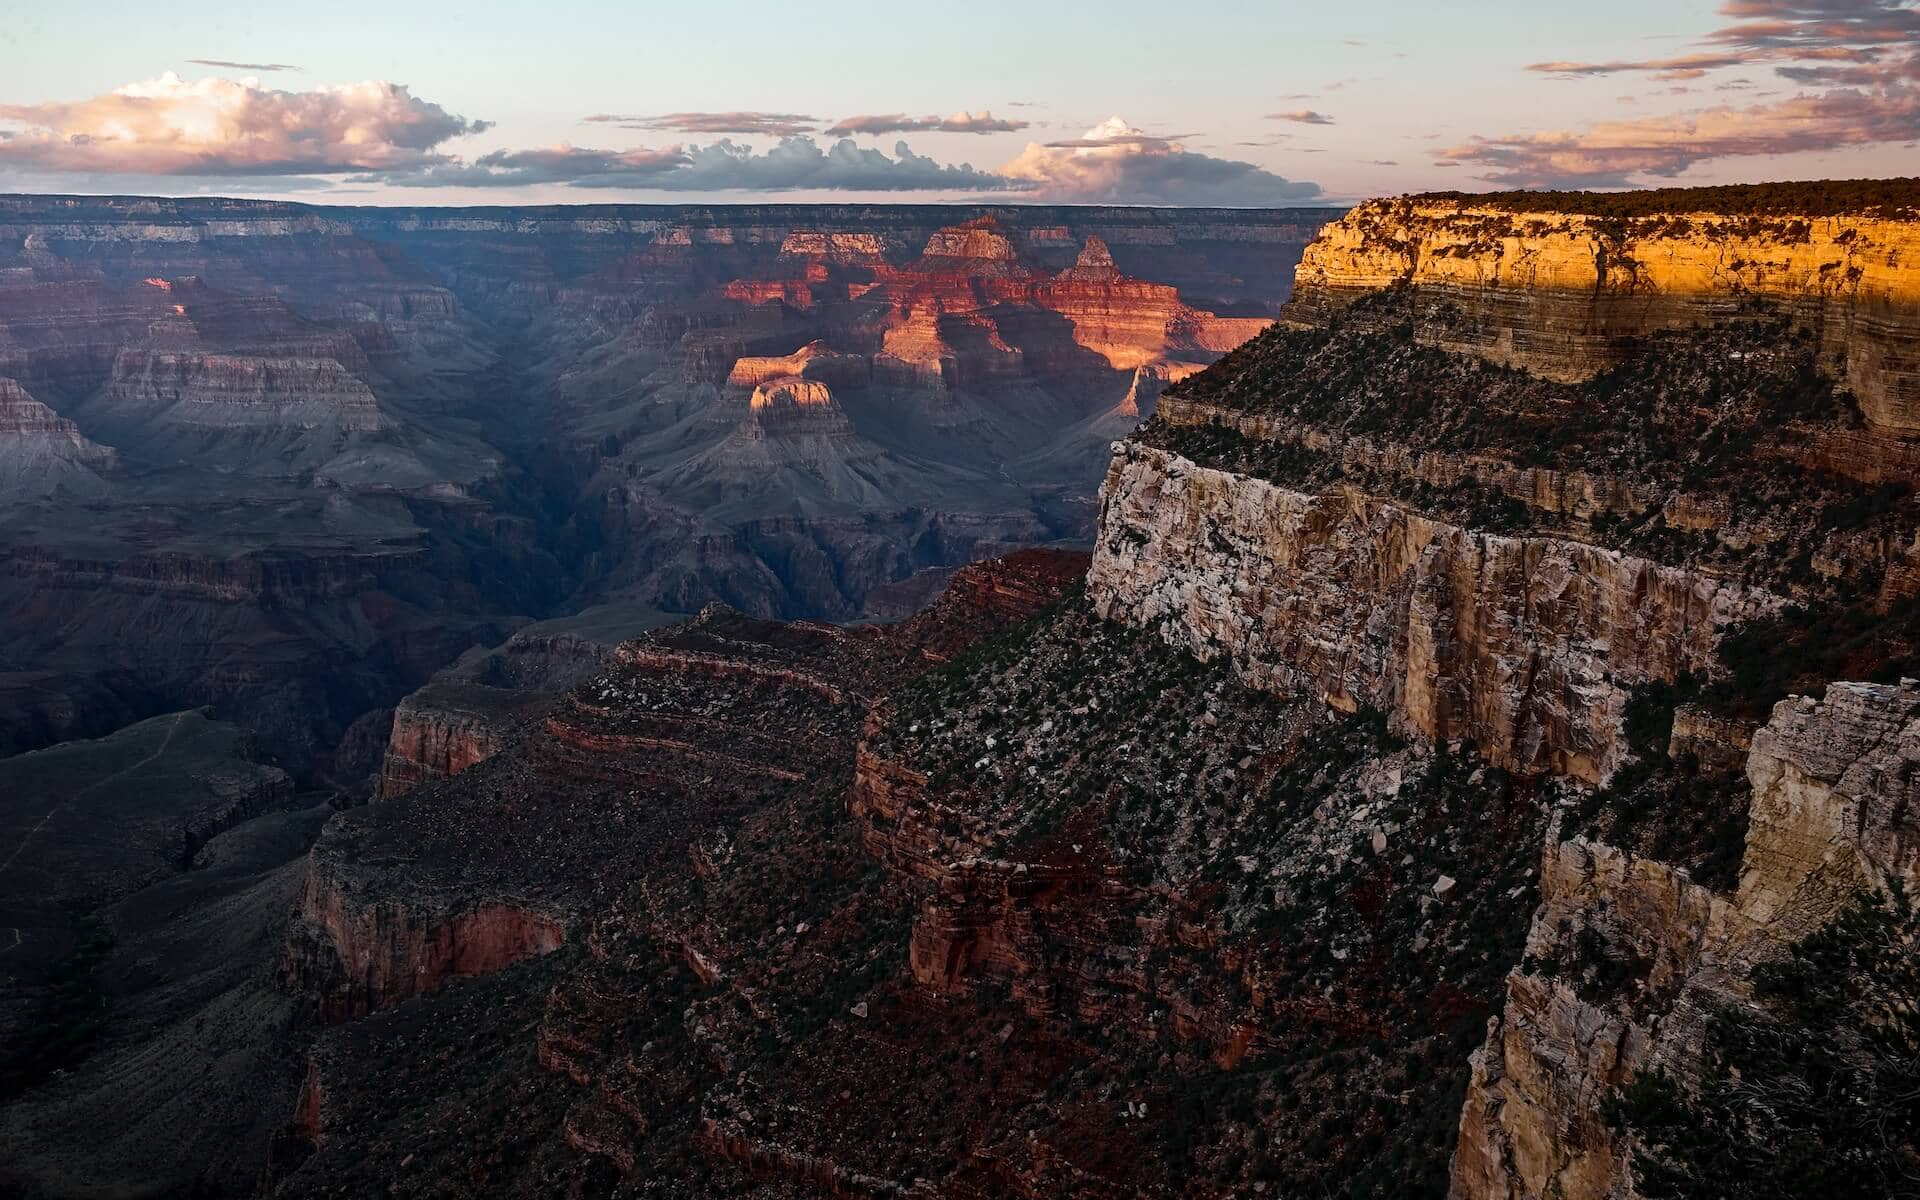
[(1834, 791), (442, 729), (1527, 646), (222, 390), (355, 952), (1560, 294), (42, 454)]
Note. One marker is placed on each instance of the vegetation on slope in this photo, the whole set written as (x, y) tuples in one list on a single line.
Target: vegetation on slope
[(1708, 420), (1364, 898), (67, 1020), (1799, 198), (1813, 1093)]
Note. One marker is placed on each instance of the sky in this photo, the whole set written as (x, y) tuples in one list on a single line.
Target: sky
[(1248, 103)]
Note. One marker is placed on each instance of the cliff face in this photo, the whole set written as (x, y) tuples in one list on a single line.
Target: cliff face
[(43, 454), (1526, 646), (1560, 294), (228, 390), (353, 958), (1832, 786), (439, 732), (1529, 482)]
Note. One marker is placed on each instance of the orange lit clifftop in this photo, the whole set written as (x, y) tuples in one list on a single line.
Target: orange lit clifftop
[(1561, 293)]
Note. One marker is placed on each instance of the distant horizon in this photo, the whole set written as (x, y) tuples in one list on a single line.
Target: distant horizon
[(1323, 204), (402, 204)]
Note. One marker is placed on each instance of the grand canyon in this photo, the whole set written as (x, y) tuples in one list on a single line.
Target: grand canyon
[(285, 463), (1486, 676), (1367, 647)]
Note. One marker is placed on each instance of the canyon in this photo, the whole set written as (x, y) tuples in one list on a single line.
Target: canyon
[(289, 461), (1492, 673)]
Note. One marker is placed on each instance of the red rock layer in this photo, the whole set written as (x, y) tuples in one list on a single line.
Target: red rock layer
[(373, 952)]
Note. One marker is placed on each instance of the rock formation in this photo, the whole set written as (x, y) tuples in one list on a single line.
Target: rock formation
[(471, 709), (1832, 785), (1525, 646), (558, 405), (220, 391), (43, 455), (1482, 678), (1512, 594), (1561, 293)]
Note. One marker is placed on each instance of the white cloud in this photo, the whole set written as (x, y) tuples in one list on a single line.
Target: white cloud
[(795, 164), (873, 125), (1115, 163), (215, 126)]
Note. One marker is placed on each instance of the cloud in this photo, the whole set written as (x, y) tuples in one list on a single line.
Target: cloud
[(225, 65), (1115, 163), (214, 126), (770, 124), (1302, 116), (1678, 63), (1610, 154), (796, 164), (1116, 134), (1813, 24), (1865, 53), (873, 125)]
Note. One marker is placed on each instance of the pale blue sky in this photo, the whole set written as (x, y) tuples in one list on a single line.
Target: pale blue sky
[(1399, 81)]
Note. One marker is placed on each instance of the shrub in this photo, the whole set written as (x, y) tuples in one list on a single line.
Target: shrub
[(1816, 1094)]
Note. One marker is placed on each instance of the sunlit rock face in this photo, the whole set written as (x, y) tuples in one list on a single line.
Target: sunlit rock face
[(815, 360), (1562, 294), (979, 239)]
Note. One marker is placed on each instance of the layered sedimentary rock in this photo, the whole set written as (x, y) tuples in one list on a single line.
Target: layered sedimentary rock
[(470, 710), (1530, 557), (815, 360), (354, 957), (222, 391), (1833, 792), (1560, 294), (1131, 322), (440, 731), (1525, 645), (43, 454)]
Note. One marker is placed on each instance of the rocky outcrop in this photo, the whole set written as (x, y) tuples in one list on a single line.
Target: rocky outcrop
[(814, 361), (1133, 323), (1834, 794), (43, 454), (1562, 295), (980, 238), (1526, 646), (790, 392), (354, 951), (469, 710), (444, 728), (227, 390)]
